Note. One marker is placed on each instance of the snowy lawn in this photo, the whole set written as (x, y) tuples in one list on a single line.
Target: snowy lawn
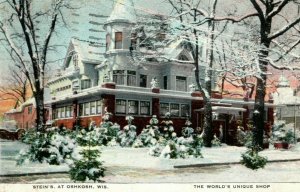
[(127, 165)]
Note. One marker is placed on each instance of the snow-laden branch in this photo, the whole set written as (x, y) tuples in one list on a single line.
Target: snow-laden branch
[(281, 5), (12, 45), (287, 51), (274, 65), (284, 29)]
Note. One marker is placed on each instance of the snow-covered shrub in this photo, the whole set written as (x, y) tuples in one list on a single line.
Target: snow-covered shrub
[(149, 135), (127, 136), (187, 131), (172, 147), (284, 133), (110, 130), (86, 163), (216, 142), (173, 151), (29, 136), (251, 159), (156, 150), (88, 167), (53, 146), (167, 129), (91, 135)]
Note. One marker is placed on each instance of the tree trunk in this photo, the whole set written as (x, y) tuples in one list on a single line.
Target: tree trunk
[(40, 110), (259, 106)]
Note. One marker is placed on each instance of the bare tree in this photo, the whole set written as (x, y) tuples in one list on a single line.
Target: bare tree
[(23, 38), (268, 11), (15, 87)]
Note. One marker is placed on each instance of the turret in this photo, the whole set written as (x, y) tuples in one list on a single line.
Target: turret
[(118, 27)]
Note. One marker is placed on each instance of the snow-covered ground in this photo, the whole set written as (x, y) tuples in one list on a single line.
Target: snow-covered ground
[(131, 165)]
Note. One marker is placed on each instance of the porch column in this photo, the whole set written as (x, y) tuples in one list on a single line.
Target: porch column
[(75, 112), (109, 102), (155, 107), (196, 103)]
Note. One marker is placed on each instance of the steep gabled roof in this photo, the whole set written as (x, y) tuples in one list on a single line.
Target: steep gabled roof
[(123, 12), (87, 51)]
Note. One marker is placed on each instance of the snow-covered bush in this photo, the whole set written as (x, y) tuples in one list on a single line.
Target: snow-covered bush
[(109, 130), (187, 131), (53, 146), (253, 160), (86, 162), (127, 136), (173, 151), (88, 167), (91, 135), (29, 136), (284, 133), (216, 142), (149, 135), (167, 129), (183, 147)]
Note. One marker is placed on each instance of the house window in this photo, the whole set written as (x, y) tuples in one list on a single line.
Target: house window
[(30, 110), (86, 109), (120, 106), (184, 110), (164, 108), (143, 80), (118, 77), (161, 36), (75, 60), (80, 109), (181, 83), (85, 84), (165, 82), (56, 112), (174, 109), (131, 78), (62, 112), (133, 107), (75, 85), (107, 42), (118, 40), (68, 111), (93, 108), (98, 106), (145, 108)]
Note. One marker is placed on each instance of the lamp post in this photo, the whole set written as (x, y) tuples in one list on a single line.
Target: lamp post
[(295, 119)]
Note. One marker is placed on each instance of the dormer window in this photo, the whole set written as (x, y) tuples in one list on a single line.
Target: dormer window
[(118, 40), (75, 60)]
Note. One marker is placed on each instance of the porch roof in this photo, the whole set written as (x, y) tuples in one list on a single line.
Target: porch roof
[(224, 110)]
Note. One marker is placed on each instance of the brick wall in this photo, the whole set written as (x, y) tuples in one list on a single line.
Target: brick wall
[(25, 118)]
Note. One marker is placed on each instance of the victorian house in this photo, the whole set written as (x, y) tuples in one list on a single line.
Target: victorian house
[(99, 77)]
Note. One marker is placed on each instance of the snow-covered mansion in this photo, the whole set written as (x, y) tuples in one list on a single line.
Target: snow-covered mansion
[(94, 79)]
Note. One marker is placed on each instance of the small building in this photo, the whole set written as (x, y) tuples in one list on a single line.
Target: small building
[(288, 102)]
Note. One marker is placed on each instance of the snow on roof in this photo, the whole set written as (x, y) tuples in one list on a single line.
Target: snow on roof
[(224, 110), (31, 101), (123, 12), (88, 51), (174, 49)]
